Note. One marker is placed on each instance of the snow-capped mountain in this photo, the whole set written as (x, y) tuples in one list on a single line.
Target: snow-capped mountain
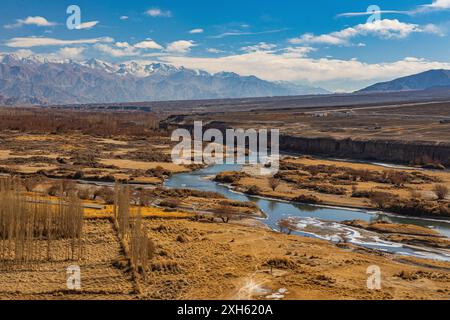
[(47, 80)]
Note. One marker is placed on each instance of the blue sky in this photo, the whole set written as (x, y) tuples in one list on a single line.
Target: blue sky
[(325, 43)]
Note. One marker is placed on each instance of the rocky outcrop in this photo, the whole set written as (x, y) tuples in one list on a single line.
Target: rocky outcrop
[(380, 150)]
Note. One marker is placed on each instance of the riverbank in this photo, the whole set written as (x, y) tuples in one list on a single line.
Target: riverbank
[(346, 184)]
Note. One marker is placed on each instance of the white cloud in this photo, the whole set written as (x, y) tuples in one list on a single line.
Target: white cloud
[(155, 12), (213, 50), (439, 4), (262, 46), (369, 13), (87, 25), (70, 53), (36, 21), (123, 17), (436, 5), (180, 46), (198, 30), (28, 42), (385, 29), (288, 67), (297, 52), (122, 44), (148, 44), (120, 50), (245, 33), (124, 49), (24, 53)]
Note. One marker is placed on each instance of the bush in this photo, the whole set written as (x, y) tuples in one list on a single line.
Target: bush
[(441, 191), (280, 262), (54, 190), (230, 177), (106, 193), (170, 203), (85, 194), (253, 190), (158, 172), (306, 198), (274, 183), (381, 199)]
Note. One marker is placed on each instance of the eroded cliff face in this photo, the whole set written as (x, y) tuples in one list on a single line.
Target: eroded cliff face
[(380, 150)]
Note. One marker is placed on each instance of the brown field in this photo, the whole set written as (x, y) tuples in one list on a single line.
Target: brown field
[(404, 122), (300, 176), (142, 241), (195, 260)]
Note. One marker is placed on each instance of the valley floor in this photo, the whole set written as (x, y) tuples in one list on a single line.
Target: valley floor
[(204, 260)]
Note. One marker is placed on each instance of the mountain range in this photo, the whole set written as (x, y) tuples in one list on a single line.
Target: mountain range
[(432, 79), (37, 80)]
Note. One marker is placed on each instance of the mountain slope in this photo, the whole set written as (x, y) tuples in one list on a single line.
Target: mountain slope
[(39, 81), (421, 81)]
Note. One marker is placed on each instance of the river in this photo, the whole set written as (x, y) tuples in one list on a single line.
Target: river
[(326, 219)]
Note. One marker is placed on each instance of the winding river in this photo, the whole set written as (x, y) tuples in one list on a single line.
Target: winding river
[(319, 217)]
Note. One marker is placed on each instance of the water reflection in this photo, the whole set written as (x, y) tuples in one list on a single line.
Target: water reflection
[(277, 209)]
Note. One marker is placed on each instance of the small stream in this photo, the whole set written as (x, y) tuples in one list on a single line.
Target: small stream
[(323, 218)]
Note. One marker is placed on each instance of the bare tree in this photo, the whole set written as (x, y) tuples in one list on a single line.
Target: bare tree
[(226, 213), (274, 183), (380, 199)]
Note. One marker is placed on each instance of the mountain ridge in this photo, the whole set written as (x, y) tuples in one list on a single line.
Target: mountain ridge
[(39, 80), (435, 78)]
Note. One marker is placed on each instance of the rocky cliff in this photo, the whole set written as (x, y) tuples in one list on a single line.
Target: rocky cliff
[(379, 150)]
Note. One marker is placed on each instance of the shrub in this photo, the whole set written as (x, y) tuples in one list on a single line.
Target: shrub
[(230, 177), (54, 190), (253, 190), (381, 199), (280, 262), (106, 193), (306, 198), (274, 183), (170, 203), (441, 191), (85, 193)]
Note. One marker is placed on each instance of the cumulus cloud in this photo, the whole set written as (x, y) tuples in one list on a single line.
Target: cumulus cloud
[(290, 67), (180, 46), (155, 12), (28, 42), (124, 49), (262, 46), (36, 21), (213, 50), (23, 53), (385, 29), (436, 5), (148, 44), (198, 30), (70, 53), (439, 4), (117, 51)]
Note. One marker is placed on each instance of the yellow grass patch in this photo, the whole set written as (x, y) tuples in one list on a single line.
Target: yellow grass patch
[(142, 165)]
